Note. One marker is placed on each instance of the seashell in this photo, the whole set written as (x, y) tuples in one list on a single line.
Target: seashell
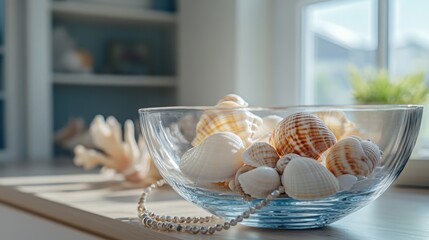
[(346, 181), (283, 161), (214, 160), (306, 179), (268, 124), (259, 182), (260, 154), (303, 134), (235, 185), (351, 155), (228, 119), (234, 98), (338, 122)]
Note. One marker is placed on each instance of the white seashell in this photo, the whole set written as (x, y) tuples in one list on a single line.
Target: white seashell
[(283, 161), (346, 181), (228, 118), (351, 155), (260, 154), (236, 185), (306, 179), (216, 159), (268, 124), (303, 134), (259, 182), (234, 98)]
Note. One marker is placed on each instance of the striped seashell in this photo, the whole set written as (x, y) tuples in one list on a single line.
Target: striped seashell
[(216, 159), (283, 161), (227, 119), (306, 179), (303, 134), (259, 182), (338, 122), (234, 98), (268, 124), (260, 154), (352, 155)]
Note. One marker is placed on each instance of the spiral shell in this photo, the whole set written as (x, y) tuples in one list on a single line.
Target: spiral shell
[(227, 119), (259, 182), (216, 159), (352, 155), (303, 134), (283, 162), (338, 122), (260, 154), (306, 179), (234, 185), (234, 98)]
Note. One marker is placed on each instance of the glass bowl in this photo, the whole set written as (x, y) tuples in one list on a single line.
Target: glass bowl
[(170, 132)]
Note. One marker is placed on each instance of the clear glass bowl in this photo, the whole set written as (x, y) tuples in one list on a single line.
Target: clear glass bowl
[(169, 132)]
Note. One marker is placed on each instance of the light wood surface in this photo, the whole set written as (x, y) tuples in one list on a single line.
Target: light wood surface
[(19, 225), (106, 207)]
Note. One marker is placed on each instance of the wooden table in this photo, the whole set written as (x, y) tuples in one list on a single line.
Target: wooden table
[(105, 207)]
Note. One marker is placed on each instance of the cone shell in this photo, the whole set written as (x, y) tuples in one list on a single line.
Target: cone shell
[(259, 182), (214, 160), (338, 122), (306, 179), (303, 134), (238, 121), (260, 154), (268, 124), (354, 156), (234, 98)]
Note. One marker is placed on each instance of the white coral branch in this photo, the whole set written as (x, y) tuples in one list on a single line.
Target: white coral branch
[(124, 156)]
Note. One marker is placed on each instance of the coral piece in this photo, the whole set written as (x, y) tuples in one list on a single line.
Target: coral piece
[(126, 157)]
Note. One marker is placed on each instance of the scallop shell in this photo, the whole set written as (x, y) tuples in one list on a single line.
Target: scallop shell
[(268, 124), (352, 155), (216, 159), (238, 121), (234, 98), (283, 161), (259, 182), (260, 154), (338, 122), (303, 134), (306, 179)]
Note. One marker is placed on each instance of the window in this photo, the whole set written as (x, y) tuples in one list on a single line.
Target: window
[(363, 34)]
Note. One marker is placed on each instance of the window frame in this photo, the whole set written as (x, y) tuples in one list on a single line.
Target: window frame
[(289, 61)]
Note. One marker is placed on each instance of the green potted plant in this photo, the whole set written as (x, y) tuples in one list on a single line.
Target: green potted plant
[(379, 88)]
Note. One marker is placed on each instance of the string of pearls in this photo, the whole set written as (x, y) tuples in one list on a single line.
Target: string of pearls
[(194, 225)]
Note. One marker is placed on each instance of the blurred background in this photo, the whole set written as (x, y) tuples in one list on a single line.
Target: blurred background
[(62, 62)]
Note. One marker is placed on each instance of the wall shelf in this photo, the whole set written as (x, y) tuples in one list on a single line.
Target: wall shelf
[(113, 80), (102, 12)]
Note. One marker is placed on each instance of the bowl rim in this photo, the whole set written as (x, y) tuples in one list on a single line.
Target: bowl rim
[(349, 107)]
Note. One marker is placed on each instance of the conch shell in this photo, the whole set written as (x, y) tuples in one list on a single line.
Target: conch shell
[(260, 154), (303, 134), (216, 159), (306, 179), (259, 182), (339, 124), (352, 155), (227, 119), (234, 98)]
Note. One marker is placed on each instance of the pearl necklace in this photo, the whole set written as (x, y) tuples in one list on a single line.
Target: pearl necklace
[(193, 225)]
